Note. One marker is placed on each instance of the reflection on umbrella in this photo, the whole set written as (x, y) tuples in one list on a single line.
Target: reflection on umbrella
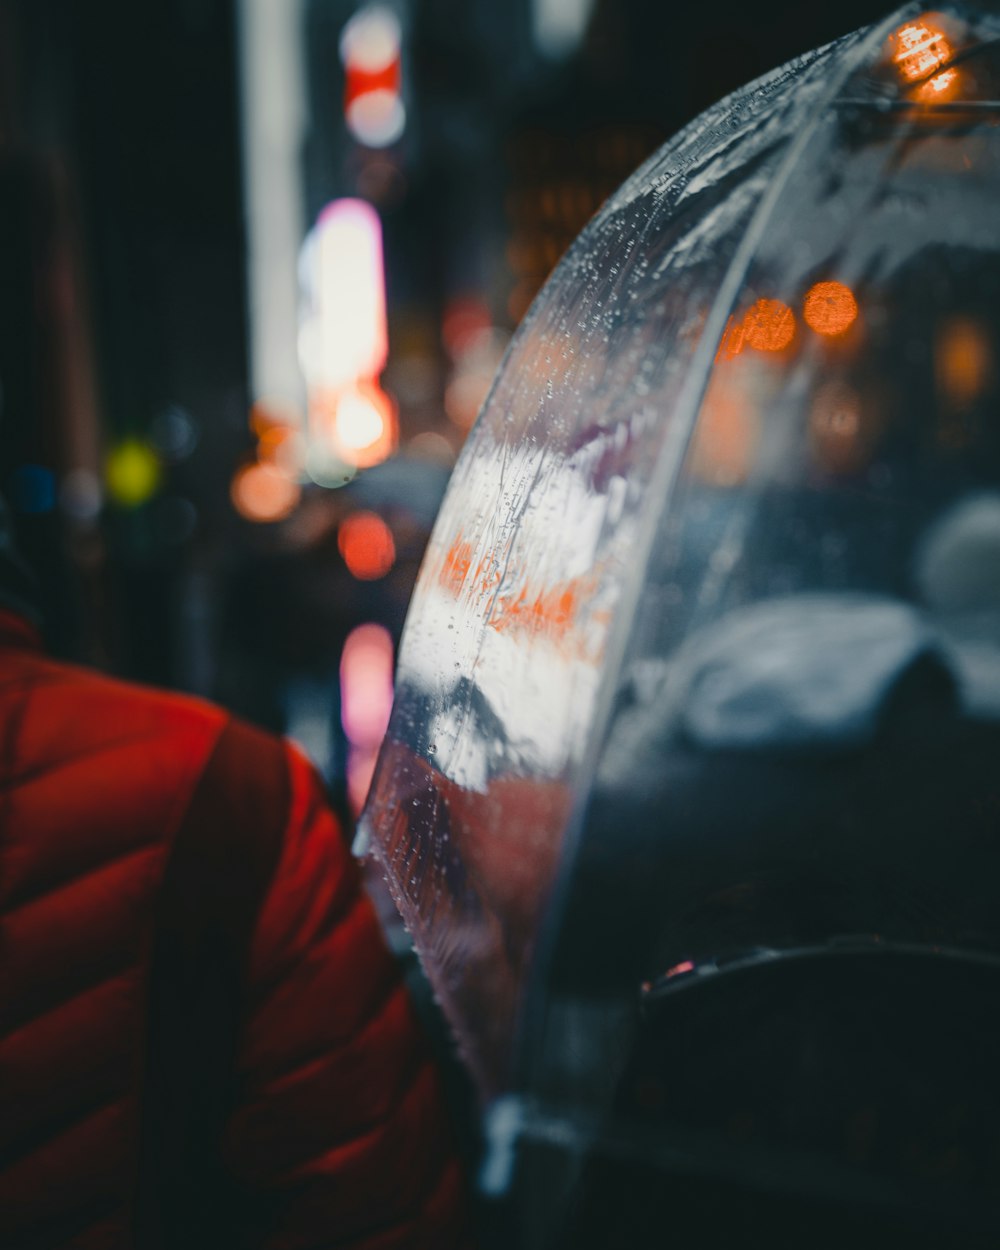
[(697, 560)]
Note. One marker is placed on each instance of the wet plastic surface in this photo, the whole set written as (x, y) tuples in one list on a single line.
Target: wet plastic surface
[(704, 661)]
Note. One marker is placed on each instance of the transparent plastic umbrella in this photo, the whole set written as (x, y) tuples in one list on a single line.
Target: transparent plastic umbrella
[(702, 674)]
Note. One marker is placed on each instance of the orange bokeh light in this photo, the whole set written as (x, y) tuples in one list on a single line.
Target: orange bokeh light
[(963, 361), (281, 447), (358, 422), (266, 414), (731, 343), (940, 87), (367, 545), (725, 442), (769, 326), (919, 49), (262, 493), (830, 308)]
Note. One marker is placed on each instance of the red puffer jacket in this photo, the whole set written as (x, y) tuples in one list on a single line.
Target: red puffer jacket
[(334, 1134)]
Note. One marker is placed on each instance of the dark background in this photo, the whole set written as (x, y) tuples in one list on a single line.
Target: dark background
[(123, 286)]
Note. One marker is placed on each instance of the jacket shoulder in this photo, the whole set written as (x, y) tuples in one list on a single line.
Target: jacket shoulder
[(60, 705), (92, 770)]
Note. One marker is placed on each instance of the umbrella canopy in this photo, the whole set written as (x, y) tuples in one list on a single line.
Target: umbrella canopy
[(702, 674)]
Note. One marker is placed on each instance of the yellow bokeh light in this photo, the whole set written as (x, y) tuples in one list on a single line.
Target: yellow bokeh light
[(132, 473)]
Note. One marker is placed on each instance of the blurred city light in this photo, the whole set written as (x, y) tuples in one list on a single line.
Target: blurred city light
[(728, 431), (261, 493), (344, 334), (830, 308), (836, 429), (283, 448), (274, 110), (370, 41), (559, 25), (33, 489), (367, 546), (918, 49), (324, 467), (370, 48), (357, 423), (732, 341), (941, 86), (80, 494), (132, 473), (174, 434), (769, 326), (381, 179), (377, 118), (344, 341), (466, 320), (465, 393), (267, 413), (366, 671), (360, 421), (963, 360)]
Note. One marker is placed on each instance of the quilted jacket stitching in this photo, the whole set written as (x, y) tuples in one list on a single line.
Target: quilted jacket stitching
[(45, 772), (80, 876), (305, 1067), (65, 1000), (359, 1138), (21, 1151)]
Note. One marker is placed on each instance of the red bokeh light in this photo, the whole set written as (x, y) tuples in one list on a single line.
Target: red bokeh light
[(367, 546)]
